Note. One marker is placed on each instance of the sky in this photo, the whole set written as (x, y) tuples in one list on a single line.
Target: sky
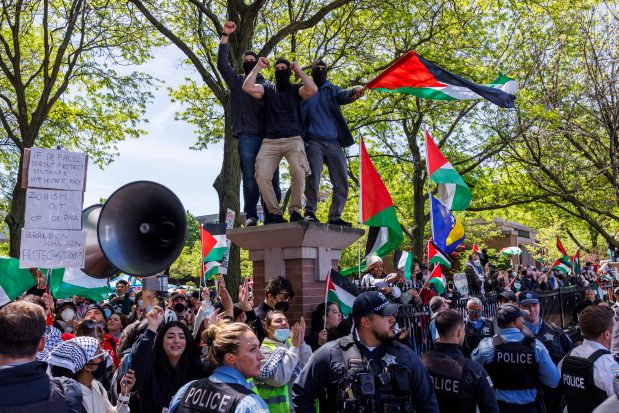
[(162, 155)]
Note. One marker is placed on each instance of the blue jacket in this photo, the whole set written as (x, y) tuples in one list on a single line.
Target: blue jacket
[(247, 112), (337, 97), (28, 383), (547, 372)]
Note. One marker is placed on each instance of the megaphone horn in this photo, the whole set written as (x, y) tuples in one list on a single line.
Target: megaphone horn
[(141, 228)]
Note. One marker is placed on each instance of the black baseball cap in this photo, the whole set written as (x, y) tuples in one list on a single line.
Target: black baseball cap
[(509, 295), (373, 302), (507, 313)]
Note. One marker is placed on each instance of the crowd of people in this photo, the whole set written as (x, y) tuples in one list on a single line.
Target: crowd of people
[(202, 352)]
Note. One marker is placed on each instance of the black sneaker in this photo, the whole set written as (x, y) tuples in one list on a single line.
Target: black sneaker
[(311, 217), (251, 222), (295, 216), (340, 222), (274, 219)]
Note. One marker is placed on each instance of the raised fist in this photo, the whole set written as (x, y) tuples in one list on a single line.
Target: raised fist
[(263, 62), (295, 67), (229, 27)]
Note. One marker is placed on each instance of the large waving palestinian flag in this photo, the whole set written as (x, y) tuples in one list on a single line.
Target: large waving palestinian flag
[(341, 291), (414, 75), (453, 192)]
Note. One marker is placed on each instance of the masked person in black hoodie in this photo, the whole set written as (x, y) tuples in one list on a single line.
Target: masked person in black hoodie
[(284, 133), (247, 123), (327, 136)]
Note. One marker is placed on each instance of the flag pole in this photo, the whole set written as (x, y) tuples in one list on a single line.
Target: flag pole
[(431, 215), (360, 206)]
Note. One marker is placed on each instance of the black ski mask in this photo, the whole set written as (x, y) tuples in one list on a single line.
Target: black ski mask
[(282, 77), (248, 66), (319, 72)]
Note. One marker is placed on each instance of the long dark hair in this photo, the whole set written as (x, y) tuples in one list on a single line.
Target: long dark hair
[(171, 378), (318, 322)]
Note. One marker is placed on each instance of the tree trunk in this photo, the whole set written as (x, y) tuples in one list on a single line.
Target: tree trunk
[(419, 222), (15, 219), (227, 186)]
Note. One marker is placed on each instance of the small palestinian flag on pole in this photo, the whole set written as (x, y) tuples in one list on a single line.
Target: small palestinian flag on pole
[(214, 248), (342, 291), (575, 259), (438, 280), (403, 261), (560, 266), (453, 192), (414, 75), (437, 256)]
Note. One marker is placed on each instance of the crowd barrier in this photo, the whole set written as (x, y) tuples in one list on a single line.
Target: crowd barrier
[(556, 306)]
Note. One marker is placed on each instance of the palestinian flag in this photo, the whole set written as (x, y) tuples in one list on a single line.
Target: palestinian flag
[(342, 291), (210, 269), (561, 266), (403, 261), (419, 77), (376, 209), (437, 256), (452, 190), (575, 260), (599, 294), (14, 281), (438, 280), (213, 242), (67, 282)]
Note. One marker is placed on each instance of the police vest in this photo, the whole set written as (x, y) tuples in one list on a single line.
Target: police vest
[(581, 393), (447, 374), (276, 397), (549, 336), (206, 396), (361, 390), (472, 336), (513, 366)]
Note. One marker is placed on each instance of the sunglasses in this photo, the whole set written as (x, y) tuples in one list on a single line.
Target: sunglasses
[(93, 324), (475, 312)]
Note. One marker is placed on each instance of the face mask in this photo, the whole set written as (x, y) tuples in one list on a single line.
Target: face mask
[(319, 76), (476, 262), (107, 313), (100, 371), (282, 306), (248, 66), (67, 315), (282, 79), (140, 303), (281, 334)]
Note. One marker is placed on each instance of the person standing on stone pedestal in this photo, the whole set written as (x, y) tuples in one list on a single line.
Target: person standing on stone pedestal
[(284, 133), (247, 124), (327, 136)]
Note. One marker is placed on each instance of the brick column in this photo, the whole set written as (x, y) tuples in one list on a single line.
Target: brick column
[(301, 251)]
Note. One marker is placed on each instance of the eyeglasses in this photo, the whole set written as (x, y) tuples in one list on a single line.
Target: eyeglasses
[(477, 312), (93, 324)]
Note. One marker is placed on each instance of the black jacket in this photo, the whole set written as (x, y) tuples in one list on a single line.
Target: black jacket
[(247, 112)]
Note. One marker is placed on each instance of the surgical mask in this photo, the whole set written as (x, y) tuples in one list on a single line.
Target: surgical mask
[(107, 313), (67, 315), (476, 262), (282, 79), (281, 334), (282, 306), (249, 66)]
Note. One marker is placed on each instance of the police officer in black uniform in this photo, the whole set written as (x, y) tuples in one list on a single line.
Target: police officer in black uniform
[(552, 337), (505, 297), (366, 371), (587, 371), (476, 327), (460, 384)]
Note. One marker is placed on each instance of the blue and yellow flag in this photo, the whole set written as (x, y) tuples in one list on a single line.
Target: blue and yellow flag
[(447, 230)]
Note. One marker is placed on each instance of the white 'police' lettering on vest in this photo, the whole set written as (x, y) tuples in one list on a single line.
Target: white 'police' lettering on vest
[(445, 384), (214, 399), (574, 381), (514, 358)]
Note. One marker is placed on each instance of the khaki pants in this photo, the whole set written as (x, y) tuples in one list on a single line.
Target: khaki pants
[(271, 153)]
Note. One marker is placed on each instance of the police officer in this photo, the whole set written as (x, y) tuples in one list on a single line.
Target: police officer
[(611, 405), (515, 363), (459, 383), (552, 337), (366, 371), (476, 327), (587, 371), (505, 297)]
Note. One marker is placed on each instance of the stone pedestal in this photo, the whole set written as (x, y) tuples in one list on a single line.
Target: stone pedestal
[(301, 251)]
